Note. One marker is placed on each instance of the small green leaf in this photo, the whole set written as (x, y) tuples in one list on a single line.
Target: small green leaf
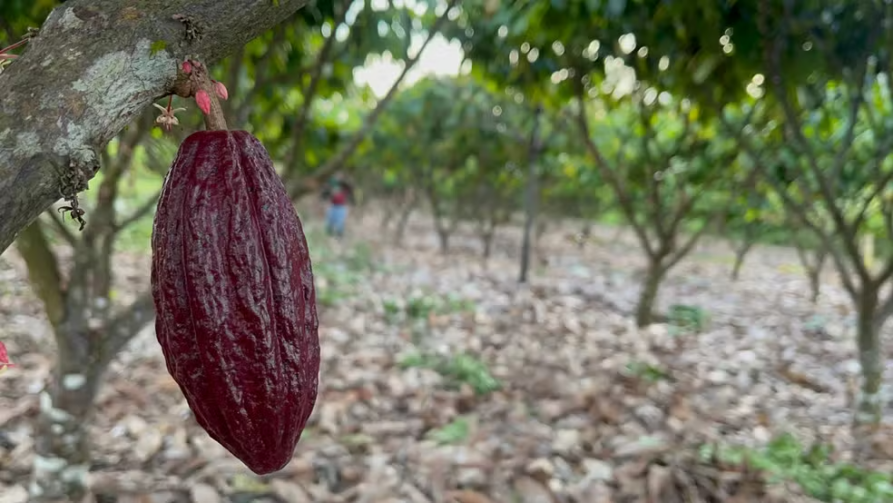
[(453, 433), (275, 3), (156, 46)]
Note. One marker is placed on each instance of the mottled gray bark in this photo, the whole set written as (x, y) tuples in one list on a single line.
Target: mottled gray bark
[(869, 322), (94, 66), (654, 276)]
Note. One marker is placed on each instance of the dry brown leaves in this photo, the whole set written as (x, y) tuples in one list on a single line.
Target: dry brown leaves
[(573, 421)]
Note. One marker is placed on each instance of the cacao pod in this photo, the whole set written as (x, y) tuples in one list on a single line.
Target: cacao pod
[(234, 296)]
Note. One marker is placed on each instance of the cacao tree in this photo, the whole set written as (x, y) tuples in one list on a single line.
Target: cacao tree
[(832, 169), (663, 178), (474, 172), (747, 219), (90, 322)]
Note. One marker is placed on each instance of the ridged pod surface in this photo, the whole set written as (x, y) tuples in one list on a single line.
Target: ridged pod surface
[(234, 297)]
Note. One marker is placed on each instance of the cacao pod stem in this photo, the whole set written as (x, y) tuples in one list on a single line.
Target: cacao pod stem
[(193, 81), (214, 119)]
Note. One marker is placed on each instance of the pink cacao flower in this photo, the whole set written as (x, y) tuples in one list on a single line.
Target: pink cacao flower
[(203, 100), (222, 93)]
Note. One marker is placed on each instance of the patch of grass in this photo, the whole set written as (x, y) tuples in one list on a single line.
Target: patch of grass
[(456, 369), (647, 372), (785, 459), (392, 310), (685, 318), (360, 258), (420, 307), (454, 432), (791, 269), (336, 276), (241, 482), (334, 282)]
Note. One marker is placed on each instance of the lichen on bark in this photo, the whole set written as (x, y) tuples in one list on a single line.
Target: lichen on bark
[(85, 77)]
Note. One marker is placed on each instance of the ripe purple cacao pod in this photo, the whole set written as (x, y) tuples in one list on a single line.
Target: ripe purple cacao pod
[(234, 297)]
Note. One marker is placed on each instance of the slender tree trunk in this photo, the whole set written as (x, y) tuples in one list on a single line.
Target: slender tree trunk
[(444, 236), (815, 285), (389, 210), (404, 220), (62, 447), (530, 197), (585, 234), (815, 275), (487, 239), (868, 331), (740, 254), (813, 269), (648, 295), (529, 221)]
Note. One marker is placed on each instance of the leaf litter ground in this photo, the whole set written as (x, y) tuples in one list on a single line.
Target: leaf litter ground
[(444, 380)]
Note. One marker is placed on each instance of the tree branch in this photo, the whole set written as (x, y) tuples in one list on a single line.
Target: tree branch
[(127, 324), (689, 245), (112, 69), (652, 185), (309, 93), (299, 188), (614, 181), (61, 228), (798, 209), (139, 213), (261, 78), (232, 80), (794, 127), (43, 271)]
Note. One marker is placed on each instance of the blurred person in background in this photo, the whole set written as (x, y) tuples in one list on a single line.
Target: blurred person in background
[(339, 194)]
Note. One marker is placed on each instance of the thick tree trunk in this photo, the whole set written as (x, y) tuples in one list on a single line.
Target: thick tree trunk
[(648, 296), (871, 358)]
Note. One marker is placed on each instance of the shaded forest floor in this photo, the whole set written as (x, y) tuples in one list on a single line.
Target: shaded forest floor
[(444, 380)]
